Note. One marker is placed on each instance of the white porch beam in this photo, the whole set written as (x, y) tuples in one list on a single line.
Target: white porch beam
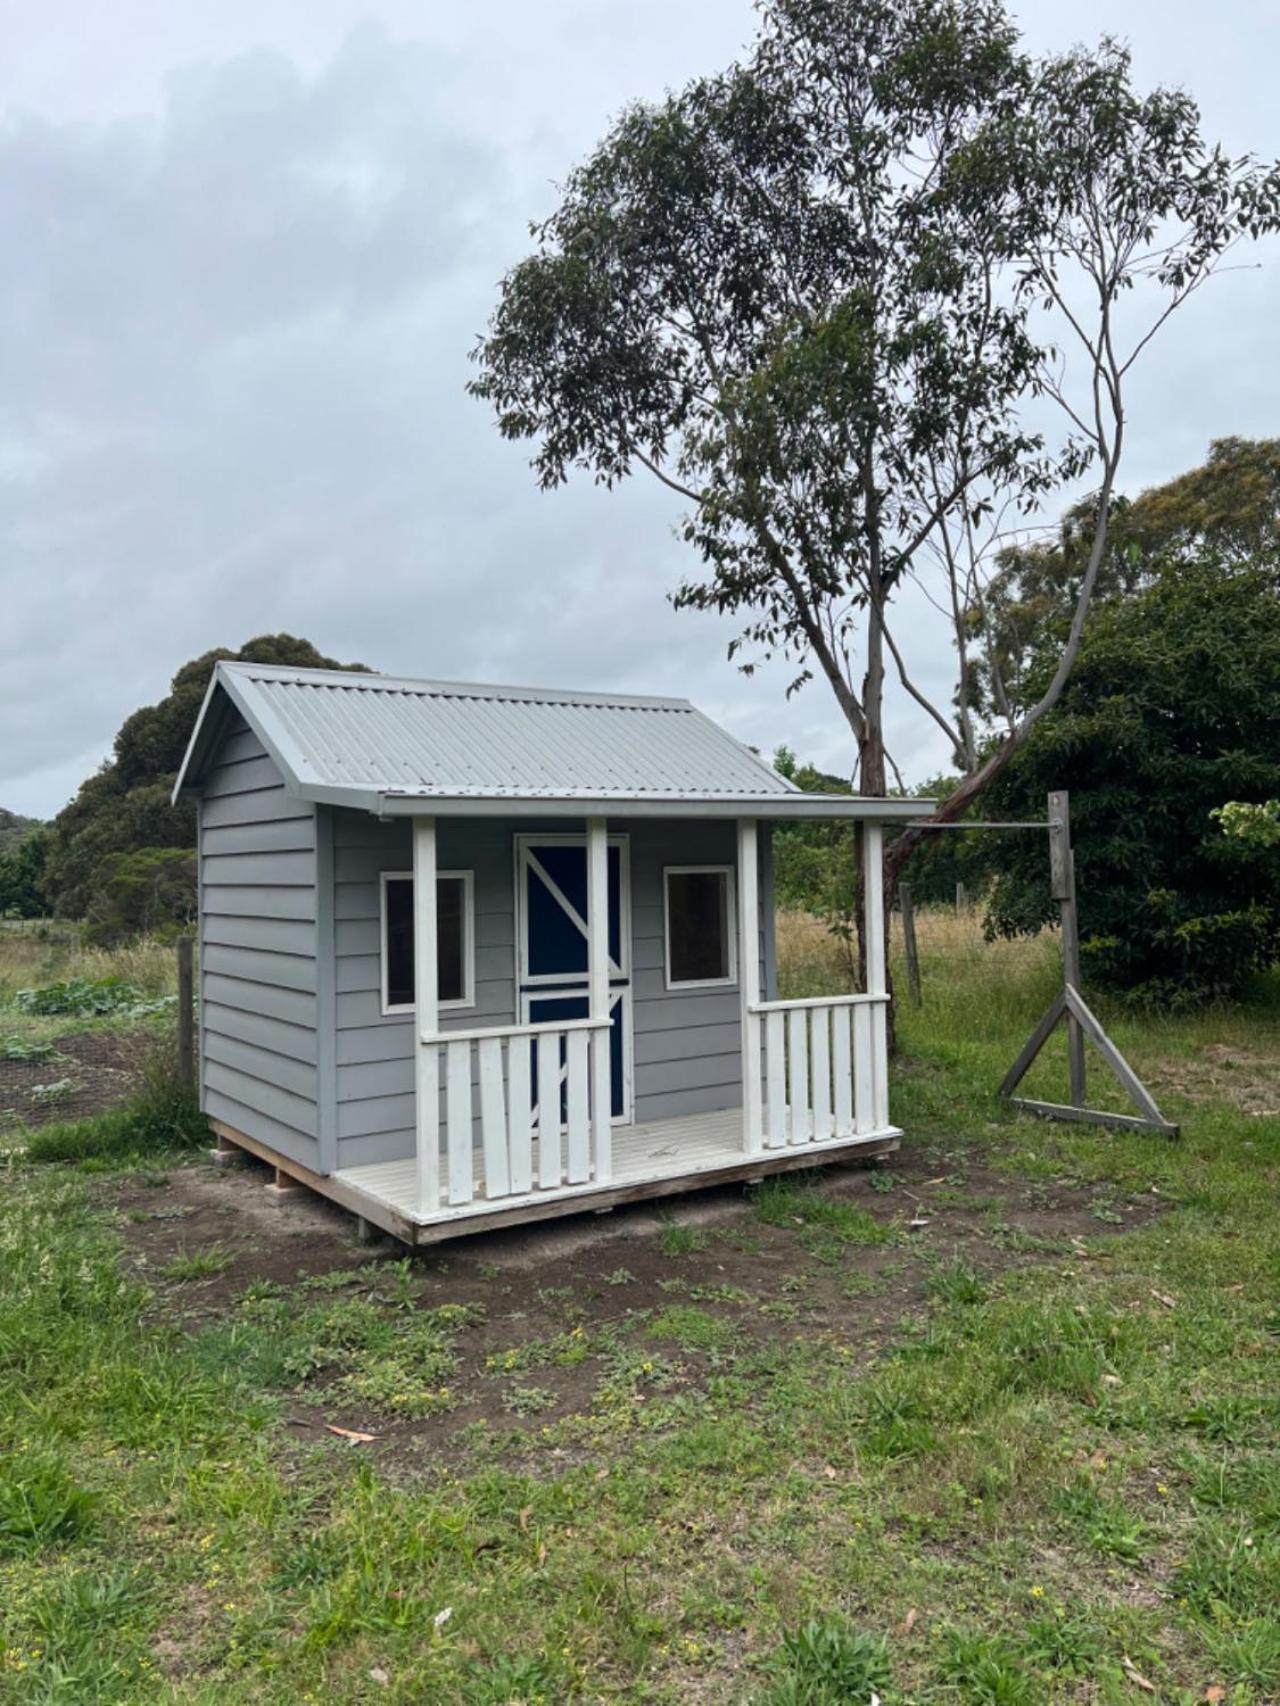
[(598, 994), (877, 971), (748, 887), (426, 1017)]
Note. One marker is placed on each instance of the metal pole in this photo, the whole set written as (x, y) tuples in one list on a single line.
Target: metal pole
[(186, 1014), (909, 940), (1062, 876)]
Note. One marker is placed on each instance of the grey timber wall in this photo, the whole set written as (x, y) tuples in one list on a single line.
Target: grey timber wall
[(261, 1060)]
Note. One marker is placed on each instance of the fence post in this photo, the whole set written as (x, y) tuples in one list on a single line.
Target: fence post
[(908, 910), (962, 898), (1062, 877), (186, 1014)]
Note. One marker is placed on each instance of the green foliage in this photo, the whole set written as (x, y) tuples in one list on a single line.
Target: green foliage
[(1257, 824), (92, 869), (1171, 711), (827, 1663), (150, 891), (815, 865), (15, 828), (22, 1048), (87, 998), (985, 1670), (22, 870), (1228, 508), (40, 1503)]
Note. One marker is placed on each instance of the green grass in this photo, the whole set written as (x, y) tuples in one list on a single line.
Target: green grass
[(189, 1266), (1058, 1468)]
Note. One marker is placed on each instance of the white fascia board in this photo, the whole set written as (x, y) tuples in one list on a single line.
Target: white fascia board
[(797, 807)]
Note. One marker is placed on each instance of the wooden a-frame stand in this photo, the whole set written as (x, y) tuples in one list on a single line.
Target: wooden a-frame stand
[(1070, 1005)]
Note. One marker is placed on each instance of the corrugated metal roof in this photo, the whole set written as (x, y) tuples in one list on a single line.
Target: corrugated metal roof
[(334, 730)]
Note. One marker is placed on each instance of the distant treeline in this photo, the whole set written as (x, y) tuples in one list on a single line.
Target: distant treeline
[(1170, 714), (120, 856)]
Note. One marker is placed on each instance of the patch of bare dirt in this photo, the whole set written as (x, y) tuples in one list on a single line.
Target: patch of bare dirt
[(1227, 1072), (88, 1073), (769, 1284)]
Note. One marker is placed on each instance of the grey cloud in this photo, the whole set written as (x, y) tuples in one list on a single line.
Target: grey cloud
[(233, 352)]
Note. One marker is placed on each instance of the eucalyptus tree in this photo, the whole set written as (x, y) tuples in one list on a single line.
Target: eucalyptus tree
[(830, 296)]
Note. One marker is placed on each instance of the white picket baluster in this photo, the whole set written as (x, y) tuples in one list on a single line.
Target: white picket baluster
[(578, 1123), (776, 1073), (820, 1055), (519, 1115), (493, 1119), (880, 1061), (798, 1048), (549, 1169), (842, 1071), (863, 1071), (458, 1121)]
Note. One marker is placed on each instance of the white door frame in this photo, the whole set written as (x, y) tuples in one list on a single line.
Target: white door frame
[(566, 985)]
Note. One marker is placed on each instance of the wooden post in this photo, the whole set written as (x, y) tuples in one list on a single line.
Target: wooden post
[(962, 898), (909, 940), (598, 995), (1062, 877), (186, 1014), (426, 1020), (877, 968), (749, 984)]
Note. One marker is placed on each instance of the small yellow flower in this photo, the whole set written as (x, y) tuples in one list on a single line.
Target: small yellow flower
[(1037, 1592), (1161, 1488)]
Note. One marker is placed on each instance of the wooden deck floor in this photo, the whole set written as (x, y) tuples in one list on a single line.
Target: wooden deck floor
[(648, 1160)]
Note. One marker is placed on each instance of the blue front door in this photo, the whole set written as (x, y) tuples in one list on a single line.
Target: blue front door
[(551, 872)]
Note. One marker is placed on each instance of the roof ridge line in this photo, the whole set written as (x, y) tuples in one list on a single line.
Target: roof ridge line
[(371, 681)]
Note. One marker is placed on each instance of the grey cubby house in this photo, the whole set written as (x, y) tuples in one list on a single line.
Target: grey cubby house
[(473, 955)]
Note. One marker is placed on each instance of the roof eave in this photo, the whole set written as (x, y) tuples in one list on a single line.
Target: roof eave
[(797, 807)]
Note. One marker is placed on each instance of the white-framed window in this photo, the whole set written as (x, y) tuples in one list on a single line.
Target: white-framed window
[(455, 940), (699, 918)]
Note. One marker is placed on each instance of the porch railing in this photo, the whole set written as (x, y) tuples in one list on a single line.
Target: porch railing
[(533, 1102), (823, 1068)]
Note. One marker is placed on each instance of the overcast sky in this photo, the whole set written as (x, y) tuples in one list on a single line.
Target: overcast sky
[(247, 245)]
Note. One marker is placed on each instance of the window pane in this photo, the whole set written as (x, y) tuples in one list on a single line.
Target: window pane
[(451, 929), (451, 937), (399, 944), (698, 922)]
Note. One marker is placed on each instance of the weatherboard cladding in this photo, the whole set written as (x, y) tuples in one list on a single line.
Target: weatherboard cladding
[(260, 1029), (347, 730)]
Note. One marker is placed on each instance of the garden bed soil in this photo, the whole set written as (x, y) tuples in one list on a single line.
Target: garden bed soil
[(90, 1072)]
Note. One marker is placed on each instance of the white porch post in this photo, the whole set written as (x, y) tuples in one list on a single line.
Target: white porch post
[(598, 995), (877, 979), (426, 1016), (749, 982)]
